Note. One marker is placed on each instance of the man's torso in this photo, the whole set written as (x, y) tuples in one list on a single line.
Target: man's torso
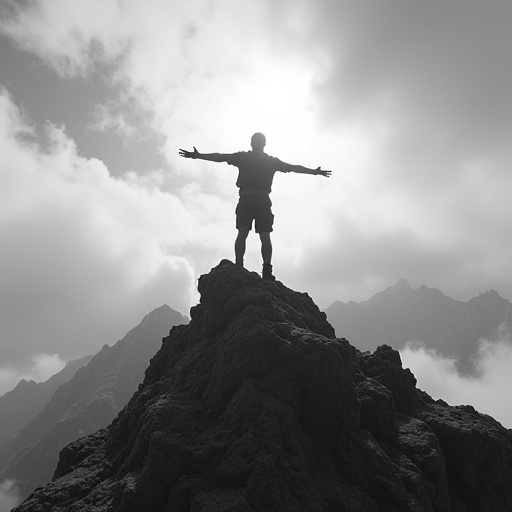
[(256, 171)]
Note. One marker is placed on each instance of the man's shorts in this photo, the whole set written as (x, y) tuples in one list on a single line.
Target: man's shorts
[(257, 207)]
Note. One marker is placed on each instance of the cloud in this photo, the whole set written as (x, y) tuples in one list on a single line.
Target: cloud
[(211, 70), (46, 365), (9, 497), (356, 254), (422, 192), (84, 255), (488, 393), (450, 80), (40, 369)]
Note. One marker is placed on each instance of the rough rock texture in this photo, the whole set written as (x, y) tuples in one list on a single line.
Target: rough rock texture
[(87, 402), (256, 406), (401, 314)]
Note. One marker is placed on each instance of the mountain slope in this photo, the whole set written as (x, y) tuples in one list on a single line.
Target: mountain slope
[(28, 398), (400, 314), (86, 403), (255, 405)]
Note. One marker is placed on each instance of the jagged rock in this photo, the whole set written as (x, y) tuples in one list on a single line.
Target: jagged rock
[(256, 406), (378, 410)]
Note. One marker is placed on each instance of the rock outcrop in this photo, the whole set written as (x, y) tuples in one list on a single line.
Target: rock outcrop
[(257, 406), (86, 403)]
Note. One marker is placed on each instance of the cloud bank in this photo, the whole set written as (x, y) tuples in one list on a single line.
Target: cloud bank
[(84, 255), (488, 393), (39, 369), (9, 497)]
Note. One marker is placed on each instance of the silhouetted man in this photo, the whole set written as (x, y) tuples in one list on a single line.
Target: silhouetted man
[(256, 172)]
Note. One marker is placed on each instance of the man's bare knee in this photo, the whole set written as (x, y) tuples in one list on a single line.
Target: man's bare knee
[(243, 232)]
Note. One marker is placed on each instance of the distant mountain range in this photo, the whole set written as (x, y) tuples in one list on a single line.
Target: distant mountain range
[(400, 314), (89, 401), (28, 398)]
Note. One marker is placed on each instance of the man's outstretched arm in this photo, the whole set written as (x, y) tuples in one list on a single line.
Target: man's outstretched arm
[(305, 170), (212, 157)]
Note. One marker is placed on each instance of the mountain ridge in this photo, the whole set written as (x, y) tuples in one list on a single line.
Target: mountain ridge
[(400, 314), (86, 403), (19, 405)]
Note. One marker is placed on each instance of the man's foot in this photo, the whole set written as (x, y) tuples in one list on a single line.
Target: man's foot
[(239, 263), (267, 272)]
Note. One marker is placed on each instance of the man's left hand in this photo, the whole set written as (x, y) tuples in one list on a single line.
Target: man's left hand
[(319, 171)]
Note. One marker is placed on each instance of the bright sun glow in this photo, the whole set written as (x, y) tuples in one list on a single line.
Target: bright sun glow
[(277, 103)]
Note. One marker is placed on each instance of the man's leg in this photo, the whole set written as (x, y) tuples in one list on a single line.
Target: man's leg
[(266, 253), (266, 247), (240, 245)]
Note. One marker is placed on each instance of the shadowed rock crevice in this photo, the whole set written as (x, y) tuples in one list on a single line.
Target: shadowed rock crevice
[(256, 405)]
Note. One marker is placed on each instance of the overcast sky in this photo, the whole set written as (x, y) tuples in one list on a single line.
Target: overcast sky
[(408, 102)]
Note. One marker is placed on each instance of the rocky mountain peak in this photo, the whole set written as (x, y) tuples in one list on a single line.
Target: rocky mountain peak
[(256, 405), (490, 296), (402, 283), (226, 293)]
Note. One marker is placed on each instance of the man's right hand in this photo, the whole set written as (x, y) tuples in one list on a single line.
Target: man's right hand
[(189, 154)]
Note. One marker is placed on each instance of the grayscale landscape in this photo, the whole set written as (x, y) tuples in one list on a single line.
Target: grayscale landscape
[(347, 163)]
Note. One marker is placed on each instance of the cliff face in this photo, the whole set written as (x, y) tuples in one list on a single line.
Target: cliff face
[(255, 405), (87, 402)]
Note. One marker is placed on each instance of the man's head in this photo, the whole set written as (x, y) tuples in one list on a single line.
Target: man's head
[(258, 141)]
